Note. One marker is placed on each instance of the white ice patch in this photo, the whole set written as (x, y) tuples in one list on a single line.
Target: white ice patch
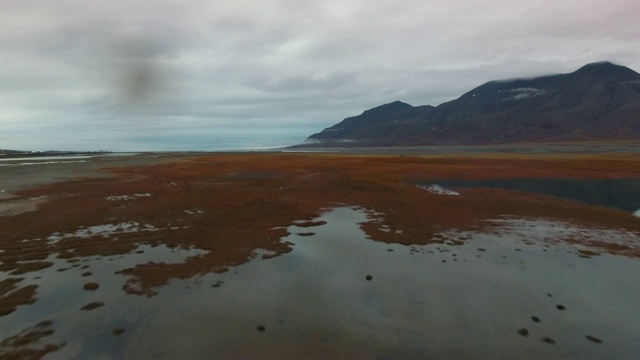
[(262, 254), (438, 190), (105, 231), (194, 211), (523, 93), (637, 213), (387, 229), (127, 197)]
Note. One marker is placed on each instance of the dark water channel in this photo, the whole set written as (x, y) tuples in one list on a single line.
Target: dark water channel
[(623, 194)]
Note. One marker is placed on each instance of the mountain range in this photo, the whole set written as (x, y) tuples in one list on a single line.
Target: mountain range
[(600, 101)]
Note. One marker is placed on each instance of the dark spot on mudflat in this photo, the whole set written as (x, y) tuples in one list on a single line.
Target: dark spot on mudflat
[(62, 269), (594, 339), (88, 273), (535, 319), (306, 234), (523, 331), (389, 250), (549, 340), (561, 307), (139, 251), (549, 295), (369, 277), (311, 223), (518, 249), (217, 284), (444, 261), (481, 249), (91, 286), (587, 253), (92, 305), (261, 328), (118, 331)]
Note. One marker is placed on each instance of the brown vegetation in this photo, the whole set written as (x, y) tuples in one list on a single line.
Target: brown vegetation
[(247, 201), (10, 298), (24, 344)]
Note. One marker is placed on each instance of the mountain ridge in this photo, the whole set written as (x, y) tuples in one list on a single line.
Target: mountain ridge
[(598, 101)]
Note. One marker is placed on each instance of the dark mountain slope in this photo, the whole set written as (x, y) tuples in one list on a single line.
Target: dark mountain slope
[(597, 102)]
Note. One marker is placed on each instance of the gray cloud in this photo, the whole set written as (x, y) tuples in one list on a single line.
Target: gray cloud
[(201, 75)]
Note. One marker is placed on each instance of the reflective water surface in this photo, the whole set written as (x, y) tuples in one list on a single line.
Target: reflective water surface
[(339, 294), (622, 194)]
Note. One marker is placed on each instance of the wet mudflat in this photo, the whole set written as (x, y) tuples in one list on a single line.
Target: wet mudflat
[(505, 293), (320, 256)]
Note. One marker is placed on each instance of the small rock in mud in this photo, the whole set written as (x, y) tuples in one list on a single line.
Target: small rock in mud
[(549, 340), (389, 250), (88, 273), (92, 305), (217, 284), (369, 277), (444, 261), (139, 251), (481, 249), (561, 307), (523, 331), (549, 295), (261, 328), (118, 331), (91, 286), (535, 319), (594, 339)]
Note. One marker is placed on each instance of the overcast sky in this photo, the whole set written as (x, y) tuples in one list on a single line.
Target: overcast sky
[(203, 75)]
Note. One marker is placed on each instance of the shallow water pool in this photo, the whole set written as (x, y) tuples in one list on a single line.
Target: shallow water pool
[(339, 294)]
